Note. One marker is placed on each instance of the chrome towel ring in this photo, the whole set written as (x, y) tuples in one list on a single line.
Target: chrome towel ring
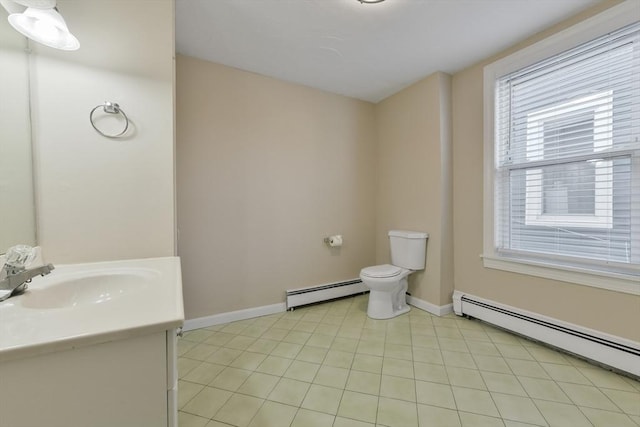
[(110, 108)]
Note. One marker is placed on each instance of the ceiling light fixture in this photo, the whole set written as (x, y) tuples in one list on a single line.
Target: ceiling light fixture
[(370, 1), (41, 22)]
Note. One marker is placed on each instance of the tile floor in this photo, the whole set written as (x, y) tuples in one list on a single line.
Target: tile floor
[(329, 365)]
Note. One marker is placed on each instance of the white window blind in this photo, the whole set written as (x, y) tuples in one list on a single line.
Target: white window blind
[(567, 156)]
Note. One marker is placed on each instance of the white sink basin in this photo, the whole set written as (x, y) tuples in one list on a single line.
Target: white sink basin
[(94, 288)]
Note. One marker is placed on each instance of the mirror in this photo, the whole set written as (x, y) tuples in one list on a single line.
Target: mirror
[(17, 203)]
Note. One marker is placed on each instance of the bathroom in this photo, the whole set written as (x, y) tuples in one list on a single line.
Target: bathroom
[(243, 176)]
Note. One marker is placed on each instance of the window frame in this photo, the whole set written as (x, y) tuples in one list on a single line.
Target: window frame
[(514, 261)]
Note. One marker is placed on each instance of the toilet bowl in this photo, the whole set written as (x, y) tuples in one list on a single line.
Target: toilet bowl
[(388, 283), (387, 286)]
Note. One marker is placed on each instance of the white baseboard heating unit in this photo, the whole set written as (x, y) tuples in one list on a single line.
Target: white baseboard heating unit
[(304, 296), (613, 351)]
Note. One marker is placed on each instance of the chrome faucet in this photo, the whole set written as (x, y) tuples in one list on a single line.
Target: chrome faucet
[(14, 276)]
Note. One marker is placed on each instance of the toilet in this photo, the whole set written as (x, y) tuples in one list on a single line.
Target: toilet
[(387, 283)]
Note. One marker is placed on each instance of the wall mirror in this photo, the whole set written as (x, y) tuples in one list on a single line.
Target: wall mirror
[(17, 201)]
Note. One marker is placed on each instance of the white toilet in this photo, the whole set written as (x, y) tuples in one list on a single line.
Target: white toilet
[(388, 283)]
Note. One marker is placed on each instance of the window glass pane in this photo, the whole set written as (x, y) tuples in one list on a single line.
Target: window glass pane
[(569, 189), (566, 134), (553, 210)]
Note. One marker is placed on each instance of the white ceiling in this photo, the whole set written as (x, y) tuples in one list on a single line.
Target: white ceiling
[(365, 51)]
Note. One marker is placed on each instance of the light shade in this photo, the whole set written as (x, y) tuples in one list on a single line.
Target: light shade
[(44, 26)]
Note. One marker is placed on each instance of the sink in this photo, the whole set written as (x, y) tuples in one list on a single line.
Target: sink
[(86, 290), (86, 304), (88, 334)]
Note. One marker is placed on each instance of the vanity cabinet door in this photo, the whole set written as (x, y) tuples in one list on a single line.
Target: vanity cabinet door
[(119, 383)]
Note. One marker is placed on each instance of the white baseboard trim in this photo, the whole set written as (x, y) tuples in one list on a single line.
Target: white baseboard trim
[(233, 316), (438, 310), (250, 313)]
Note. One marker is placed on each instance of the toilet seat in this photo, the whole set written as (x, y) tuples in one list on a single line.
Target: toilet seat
[(381, 271)]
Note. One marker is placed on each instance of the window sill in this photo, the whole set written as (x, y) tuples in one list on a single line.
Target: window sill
[(618, 282)]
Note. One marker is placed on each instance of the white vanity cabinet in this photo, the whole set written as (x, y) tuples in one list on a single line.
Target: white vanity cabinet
[(93, 346), (128, 382)]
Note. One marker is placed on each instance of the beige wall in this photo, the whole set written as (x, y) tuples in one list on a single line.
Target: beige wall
[(266, 170), (602, 310), (414, 180), (101, 199)]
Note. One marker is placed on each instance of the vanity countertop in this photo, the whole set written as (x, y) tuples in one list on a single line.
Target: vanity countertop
[(87, 304)]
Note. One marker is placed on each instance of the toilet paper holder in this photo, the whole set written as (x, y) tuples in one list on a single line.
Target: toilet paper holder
[(334, 241)]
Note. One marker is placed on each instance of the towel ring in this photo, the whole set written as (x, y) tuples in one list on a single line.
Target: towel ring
[(110, 108)]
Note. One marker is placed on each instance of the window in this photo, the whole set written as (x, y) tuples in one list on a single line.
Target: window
[(562, 164)]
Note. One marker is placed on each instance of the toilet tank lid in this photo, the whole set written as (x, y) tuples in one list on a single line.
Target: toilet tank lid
[(408, 234)]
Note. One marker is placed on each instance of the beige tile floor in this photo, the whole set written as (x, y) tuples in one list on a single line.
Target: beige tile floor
[(329, 365)]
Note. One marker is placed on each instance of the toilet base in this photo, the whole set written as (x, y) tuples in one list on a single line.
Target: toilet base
[(376, 314), (381, 305)]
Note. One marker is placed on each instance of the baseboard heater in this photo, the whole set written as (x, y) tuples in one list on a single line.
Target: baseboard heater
[(304, 296), (616, 352)]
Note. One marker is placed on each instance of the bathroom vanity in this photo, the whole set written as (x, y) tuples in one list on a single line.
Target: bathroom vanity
[(93, 345)]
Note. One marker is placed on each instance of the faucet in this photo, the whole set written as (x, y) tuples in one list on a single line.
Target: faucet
[(14, 276)]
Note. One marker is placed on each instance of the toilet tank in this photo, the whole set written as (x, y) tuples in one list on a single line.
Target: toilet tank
[(408, 249)]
